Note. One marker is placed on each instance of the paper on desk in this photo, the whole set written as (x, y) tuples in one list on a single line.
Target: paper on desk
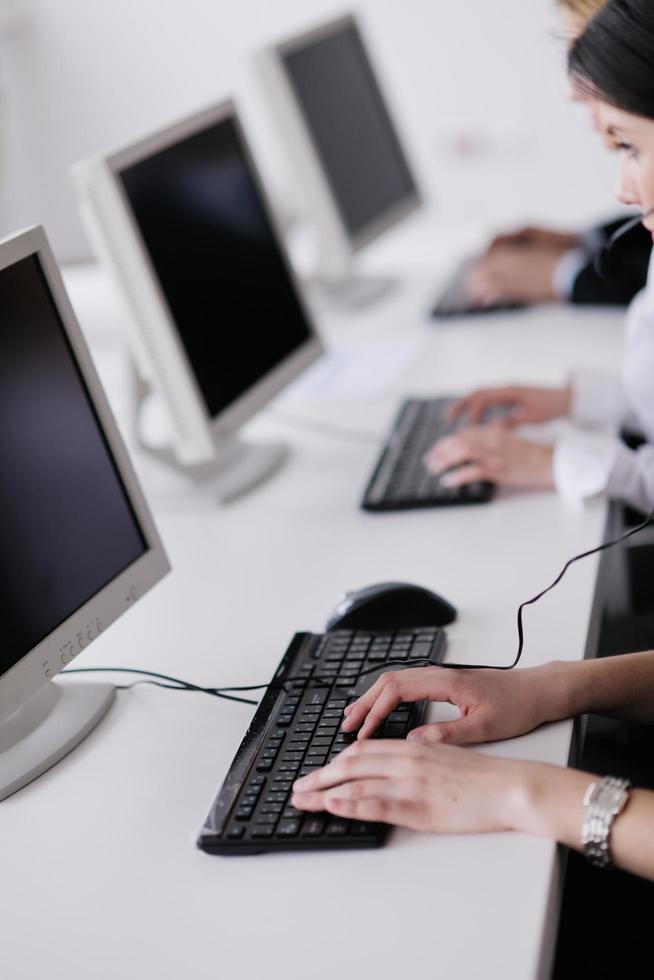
[(357, 374)]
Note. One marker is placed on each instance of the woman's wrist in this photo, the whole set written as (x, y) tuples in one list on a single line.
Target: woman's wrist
[(563, 687), (546, 801)]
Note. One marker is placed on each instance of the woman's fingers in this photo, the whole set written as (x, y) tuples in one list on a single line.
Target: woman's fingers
[(363, 760), (469, 729), (386, 800), (391, 689), (470, 473), (473, 445)]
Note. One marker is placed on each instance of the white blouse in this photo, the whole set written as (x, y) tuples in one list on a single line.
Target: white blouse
[(590, 458)]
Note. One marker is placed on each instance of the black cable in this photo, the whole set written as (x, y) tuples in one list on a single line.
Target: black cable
[(529, 602), (176, 684)]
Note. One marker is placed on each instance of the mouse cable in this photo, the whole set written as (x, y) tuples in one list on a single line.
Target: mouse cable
[(528, 602), (420, 662), (174, 683), (303, 683), (330, 430)]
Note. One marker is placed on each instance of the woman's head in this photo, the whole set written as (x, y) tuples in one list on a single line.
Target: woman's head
[(613, 62), (575, 14)]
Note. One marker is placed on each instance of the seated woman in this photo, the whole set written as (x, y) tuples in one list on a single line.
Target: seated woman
[(425, 784), (534, 265)]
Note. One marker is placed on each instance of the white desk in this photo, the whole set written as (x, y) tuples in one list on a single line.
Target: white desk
[(100, 876)]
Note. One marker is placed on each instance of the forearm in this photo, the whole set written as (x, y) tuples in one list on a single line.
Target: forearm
[(547, 802), (620, 687)]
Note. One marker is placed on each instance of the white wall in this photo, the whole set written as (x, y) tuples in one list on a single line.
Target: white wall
[(89, 74)]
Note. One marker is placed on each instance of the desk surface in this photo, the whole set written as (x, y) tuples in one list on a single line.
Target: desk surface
[(100, 876)]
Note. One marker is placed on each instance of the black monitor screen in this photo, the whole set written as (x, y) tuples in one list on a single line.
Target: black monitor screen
[(200, 213), (66, 525), (344, 111)]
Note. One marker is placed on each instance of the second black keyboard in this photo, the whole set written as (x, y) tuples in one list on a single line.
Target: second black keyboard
[(400, 479)]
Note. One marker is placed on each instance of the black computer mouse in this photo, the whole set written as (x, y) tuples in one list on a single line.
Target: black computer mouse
[(391, 605)]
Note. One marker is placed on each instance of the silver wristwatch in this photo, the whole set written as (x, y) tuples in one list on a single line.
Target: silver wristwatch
[(603, 801)]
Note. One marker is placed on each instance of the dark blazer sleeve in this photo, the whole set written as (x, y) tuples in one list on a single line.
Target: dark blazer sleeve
[(634, 248)]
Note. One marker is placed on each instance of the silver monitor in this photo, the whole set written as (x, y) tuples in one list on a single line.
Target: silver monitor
[(79, 546), (336, 125), (219, 325)]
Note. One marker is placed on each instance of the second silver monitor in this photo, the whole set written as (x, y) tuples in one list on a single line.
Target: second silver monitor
[(219, 322)]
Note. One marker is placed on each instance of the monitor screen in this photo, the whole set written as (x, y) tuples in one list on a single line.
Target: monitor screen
[(200, 213), (66, 524), (343, 109)]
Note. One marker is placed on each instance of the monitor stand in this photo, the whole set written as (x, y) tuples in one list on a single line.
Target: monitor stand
[(46, 728), (238, 466)]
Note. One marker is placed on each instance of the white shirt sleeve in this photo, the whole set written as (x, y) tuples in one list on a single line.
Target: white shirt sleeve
[(599, 401), (583, 462), (590, 463), (632, 477), (589, 458)]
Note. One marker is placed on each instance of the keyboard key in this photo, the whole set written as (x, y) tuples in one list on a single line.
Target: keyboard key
[(393, 730), (264, 819), (265, 765), (313, 827), (359, 829), (235, 833), (244, 813), (337, 828), (288, 828), (421, 650), (262, 831)]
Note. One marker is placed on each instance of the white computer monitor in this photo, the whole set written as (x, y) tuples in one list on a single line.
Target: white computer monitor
[(79, 546), (336, 126), (219, 324)]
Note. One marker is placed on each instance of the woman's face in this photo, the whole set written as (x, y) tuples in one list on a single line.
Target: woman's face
[(633, 138)]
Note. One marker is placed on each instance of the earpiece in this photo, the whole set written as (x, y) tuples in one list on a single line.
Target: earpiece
[(609, 263)]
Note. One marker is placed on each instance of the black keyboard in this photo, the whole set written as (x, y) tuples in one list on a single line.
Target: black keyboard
[(296, 729), (454, 299), (400, 479)]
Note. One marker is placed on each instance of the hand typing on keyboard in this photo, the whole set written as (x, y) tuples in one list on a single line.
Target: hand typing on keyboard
[(526, 405), (491, 452), (493, 704), (423, 784), (442, 789)]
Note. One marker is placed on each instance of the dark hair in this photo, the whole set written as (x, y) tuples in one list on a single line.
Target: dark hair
[(613, 60)]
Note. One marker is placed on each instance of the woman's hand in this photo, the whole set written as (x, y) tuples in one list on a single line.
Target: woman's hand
[(491, 452), (493, 704), (533, 236), (513, 274), (441, 789), (526, 405)]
